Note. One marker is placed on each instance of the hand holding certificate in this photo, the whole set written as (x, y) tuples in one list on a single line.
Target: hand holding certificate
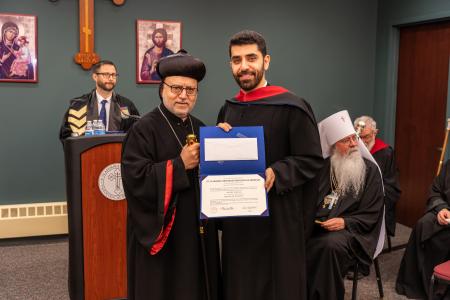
[(232, 166)]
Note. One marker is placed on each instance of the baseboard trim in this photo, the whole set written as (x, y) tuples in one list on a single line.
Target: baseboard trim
[(33, 219)]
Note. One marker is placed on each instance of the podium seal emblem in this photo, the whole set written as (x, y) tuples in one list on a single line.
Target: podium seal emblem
[(110, 182)]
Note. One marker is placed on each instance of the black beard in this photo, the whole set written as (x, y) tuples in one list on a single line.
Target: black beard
[(104, 87), (249, 85)]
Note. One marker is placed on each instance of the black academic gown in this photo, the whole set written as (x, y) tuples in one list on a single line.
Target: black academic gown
[(264, 258), (330, 254), (153, 176), (85, 108), (428, 244), (386, 161)]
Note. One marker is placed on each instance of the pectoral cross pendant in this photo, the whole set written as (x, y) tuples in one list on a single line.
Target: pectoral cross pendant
[(330, 200)]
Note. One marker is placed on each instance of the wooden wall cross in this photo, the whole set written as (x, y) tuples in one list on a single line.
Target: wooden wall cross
[(87, 57)]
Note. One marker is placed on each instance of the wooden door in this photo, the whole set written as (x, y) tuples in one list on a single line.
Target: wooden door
[(421, 112)]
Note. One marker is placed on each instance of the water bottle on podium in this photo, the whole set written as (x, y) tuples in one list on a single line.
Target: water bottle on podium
[(102, 129), (89, 129), (95, 127)]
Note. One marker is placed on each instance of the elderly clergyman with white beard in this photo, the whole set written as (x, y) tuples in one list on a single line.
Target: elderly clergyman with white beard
[(349, 209)]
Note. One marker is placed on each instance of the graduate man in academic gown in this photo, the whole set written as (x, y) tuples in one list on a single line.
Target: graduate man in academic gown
[(263, 258), (102, 103), (429, 243), (385, 158), (349, 209), (168, 259)]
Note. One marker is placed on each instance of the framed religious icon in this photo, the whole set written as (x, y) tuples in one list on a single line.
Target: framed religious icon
[(154, 40), (18, 48)]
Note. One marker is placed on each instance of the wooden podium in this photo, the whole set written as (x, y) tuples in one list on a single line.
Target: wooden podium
[(97, 217)]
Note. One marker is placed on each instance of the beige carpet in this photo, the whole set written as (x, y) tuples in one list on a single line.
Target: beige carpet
[(37, 269), (389, 265)]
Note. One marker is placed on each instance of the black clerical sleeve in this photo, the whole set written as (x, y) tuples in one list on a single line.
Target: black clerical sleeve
[(305, 157), (364, 219), (439, 193), (386, 162), (150, 187)]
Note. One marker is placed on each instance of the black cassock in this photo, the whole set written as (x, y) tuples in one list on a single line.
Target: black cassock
[(164, 250), (429, 243), (385, 158), (331, 254), (264, 258)]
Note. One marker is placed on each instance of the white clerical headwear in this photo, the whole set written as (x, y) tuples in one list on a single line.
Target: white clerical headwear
[(335, 128)]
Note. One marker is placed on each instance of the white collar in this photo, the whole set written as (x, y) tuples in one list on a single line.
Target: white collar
[(100, 98)]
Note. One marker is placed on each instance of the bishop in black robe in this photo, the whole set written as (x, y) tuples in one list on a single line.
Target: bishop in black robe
[(429, 243), (164, 247), (264, 258), (171, 254), (332, 253)]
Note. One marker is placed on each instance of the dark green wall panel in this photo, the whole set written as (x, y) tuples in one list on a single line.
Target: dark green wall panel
[(322, 50), (391, 15)]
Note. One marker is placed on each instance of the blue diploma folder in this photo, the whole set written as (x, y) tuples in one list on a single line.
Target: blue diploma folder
[(232, 167)]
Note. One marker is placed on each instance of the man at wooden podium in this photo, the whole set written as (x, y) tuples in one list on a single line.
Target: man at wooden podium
[(115, 111), (171, 255)]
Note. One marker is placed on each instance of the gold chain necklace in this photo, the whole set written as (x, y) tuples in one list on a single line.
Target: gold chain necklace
[(173, 130), (334, 183), (331, 199)]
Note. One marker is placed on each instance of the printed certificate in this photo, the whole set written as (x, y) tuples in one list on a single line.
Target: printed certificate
[(233, 195), (232, 172)]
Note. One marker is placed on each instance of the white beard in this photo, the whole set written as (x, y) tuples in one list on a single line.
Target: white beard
[(349, 171)]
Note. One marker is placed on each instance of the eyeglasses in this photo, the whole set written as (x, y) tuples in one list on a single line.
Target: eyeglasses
[(349, 140), (178, 89), (108, 75)]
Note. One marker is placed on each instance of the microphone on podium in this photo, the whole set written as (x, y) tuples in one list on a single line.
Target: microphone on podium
[(126, 116)]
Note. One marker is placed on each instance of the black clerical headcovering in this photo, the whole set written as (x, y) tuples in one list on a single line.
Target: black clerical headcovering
[(181, 64)]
